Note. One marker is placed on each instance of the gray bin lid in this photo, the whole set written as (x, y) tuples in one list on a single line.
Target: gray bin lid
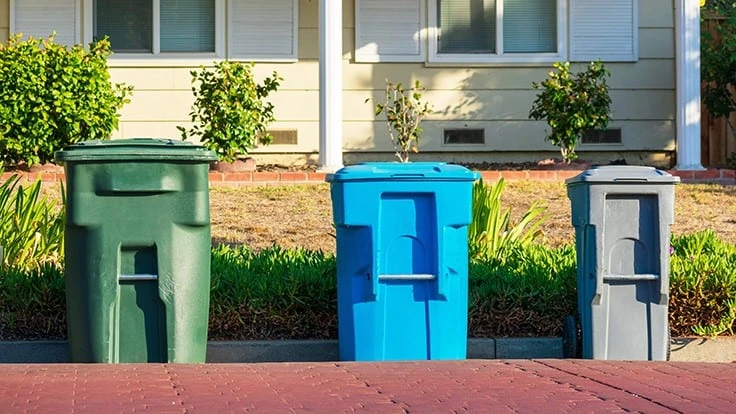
[(623, 174), (410, 171), (135, 149)]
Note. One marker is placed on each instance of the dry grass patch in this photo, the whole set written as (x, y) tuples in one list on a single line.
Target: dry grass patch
[(301, 216)]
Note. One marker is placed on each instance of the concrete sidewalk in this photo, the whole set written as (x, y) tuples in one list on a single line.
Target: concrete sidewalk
[(497, 386)]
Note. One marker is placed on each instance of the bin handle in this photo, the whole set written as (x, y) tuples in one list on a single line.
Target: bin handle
[(407, 175), (416, 276), (137, 277), (632, 277), (400, 277), (633, 180)]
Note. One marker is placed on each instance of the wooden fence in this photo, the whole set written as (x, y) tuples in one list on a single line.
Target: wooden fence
[(717, 140)]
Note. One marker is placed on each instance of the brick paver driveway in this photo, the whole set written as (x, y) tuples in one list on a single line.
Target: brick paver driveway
[(496, 386)]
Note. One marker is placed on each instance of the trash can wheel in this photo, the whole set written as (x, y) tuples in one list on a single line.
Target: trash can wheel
[(571, 344)]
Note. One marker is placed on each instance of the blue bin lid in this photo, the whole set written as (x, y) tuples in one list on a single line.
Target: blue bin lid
[(135, 149), (410, 171), (623, 174)]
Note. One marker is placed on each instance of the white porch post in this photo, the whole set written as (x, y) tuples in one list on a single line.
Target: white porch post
[(330, 85), (687, 27)]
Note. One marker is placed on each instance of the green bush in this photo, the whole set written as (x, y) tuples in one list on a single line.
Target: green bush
[(32, 303), (572, 103), (291, 294), (702, 285), (229, 113), (272, 294), (491, 234), (52, 96), (528, 293), (31, 226)]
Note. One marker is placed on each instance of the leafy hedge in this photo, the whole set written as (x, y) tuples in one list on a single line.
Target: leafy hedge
[(702, 285), (291, 294), (52, 96), (272, 294)]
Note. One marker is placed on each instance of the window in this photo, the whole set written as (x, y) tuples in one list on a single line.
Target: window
[(253, 30), (487, 31), (156, 26)]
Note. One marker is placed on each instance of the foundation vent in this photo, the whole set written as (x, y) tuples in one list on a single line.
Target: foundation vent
[(602, 136), (283, 136), (464, 136)]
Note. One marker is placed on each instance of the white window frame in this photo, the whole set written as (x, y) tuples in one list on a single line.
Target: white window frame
[(292, 57), (156, 54), (498, 57), (77, 21)]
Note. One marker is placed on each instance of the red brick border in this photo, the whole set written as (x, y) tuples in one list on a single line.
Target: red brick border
[(237, 179)]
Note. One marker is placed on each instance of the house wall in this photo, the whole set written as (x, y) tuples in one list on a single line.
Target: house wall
[(4, 20), (497, 99)]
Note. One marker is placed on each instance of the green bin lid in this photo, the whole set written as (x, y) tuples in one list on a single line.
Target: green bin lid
[(623, 174), (135, 149), (410, 171)]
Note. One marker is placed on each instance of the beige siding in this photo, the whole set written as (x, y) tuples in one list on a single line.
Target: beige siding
[(496, 99), (4, 20), (656, 13), (509, 135)]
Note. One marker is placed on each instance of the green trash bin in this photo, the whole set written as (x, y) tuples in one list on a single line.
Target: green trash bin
[(137, 247)]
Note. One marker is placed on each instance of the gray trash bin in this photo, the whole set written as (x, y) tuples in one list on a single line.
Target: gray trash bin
[(622, 217)]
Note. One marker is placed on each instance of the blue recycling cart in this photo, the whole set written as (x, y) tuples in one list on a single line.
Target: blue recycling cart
[(402, 260)]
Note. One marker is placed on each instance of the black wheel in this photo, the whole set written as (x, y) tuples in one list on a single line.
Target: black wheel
[(669, 343), (571, 346)]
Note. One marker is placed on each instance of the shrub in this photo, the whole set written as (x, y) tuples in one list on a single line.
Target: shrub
[(404, 111), (31, 226), (491, 235), (32, 303), (702, 285), (53, 96), (291, 294), (229, 113), (272, 294), (572, 104), (528, 293)]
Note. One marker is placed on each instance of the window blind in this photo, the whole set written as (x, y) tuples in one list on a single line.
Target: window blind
[(389, 31), (128, 23), (262, 28), (529, 26), (467, 26), (39, 18), (605, 30), (187, 25)]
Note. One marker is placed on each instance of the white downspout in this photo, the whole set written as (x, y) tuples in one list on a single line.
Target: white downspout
[(330, 85), (687, 39)]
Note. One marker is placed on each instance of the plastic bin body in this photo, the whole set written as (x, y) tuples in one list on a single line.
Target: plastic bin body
[(402, 260), (622, 217), (137, 250)]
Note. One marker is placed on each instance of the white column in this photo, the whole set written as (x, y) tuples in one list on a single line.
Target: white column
[(687, 38), (330, 85)]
